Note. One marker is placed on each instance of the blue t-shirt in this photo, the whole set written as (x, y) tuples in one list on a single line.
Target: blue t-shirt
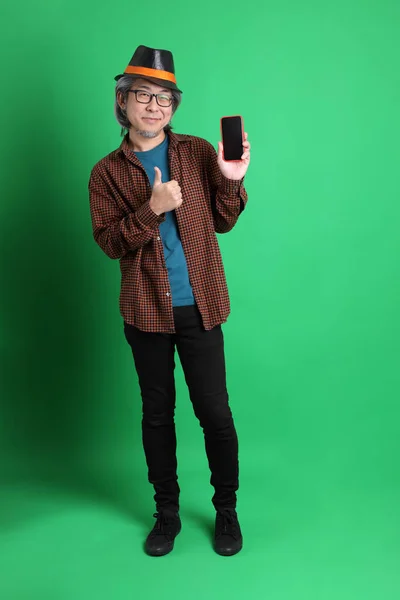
[(181, 290)]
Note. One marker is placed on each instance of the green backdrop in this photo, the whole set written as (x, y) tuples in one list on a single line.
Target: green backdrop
[(312, 343)]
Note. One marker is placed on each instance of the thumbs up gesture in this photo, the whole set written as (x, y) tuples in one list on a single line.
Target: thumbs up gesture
[(166, 196)]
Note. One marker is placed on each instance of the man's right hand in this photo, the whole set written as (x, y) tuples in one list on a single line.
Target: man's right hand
[(165, 196)]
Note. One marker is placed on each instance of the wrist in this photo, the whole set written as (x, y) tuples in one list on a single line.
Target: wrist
[(153, 208)]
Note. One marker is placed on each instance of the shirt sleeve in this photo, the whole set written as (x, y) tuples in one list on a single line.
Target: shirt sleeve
[(116, 232), (228, 196)]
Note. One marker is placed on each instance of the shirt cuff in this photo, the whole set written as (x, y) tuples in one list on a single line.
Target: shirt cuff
[(230, 187), (147, 217)]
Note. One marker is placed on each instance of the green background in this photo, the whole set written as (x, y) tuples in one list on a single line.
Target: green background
[(312, 343)]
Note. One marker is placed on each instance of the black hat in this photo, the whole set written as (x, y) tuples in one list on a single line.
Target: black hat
[(152, 64)]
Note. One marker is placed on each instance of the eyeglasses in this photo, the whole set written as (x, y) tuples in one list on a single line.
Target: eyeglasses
[(146, 97)]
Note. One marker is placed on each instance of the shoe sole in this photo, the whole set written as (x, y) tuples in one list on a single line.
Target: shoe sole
[(160, 553), (222, 553)]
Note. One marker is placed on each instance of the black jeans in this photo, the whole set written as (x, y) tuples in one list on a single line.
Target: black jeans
[(202, 357)]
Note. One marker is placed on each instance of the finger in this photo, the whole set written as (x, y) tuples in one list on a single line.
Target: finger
[(176, 191), (246, 155), (158, 177), (245, 136)]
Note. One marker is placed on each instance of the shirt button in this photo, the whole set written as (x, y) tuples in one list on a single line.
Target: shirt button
[(168, 294), (158, 238)]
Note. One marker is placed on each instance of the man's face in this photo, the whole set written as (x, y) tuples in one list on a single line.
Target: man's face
[(147, 119)]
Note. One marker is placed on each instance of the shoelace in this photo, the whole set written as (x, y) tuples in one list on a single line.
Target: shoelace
[(162, 525), (228, 524)]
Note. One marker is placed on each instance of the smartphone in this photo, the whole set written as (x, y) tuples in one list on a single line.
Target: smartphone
[(232, 133)]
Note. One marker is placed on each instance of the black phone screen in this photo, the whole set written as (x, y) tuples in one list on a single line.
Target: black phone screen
[(231, 128)]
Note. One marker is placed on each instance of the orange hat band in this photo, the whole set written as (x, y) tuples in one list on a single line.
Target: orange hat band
[(157, 73)]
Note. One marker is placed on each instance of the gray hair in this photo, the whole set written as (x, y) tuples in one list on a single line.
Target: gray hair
[(124, 84)]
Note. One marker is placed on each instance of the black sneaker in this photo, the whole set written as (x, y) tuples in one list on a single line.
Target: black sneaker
[(228, 537), (160, 540)]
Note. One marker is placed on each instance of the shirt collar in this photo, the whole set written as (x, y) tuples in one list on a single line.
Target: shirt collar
[(174, 140)]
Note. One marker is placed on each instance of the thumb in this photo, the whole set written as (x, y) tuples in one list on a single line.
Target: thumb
[(157, 179), (220, 147)]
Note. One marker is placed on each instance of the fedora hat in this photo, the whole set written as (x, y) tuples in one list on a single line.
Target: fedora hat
[(152, 64)]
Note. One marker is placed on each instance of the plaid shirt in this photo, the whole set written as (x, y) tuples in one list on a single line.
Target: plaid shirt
[(125, 228)]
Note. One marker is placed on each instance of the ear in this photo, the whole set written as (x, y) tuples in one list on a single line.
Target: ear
[(120, 100)]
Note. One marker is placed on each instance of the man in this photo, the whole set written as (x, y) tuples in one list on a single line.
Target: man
[(156, 204)]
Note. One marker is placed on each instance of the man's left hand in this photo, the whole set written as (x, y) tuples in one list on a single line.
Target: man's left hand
[(231, 169)]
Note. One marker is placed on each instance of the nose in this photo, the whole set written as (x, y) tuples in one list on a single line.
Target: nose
[(152, 104)]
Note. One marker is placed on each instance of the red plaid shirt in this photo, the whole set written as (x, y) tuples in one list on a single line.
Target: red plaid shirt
[(125, 228)]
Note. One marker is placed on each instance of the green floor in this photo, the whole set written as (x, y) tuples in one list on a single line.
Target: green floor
[(303, 541)]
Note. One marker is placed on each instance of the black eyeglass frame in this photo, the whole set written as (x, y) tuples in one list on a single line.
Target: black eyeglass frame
[(151, 98)]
